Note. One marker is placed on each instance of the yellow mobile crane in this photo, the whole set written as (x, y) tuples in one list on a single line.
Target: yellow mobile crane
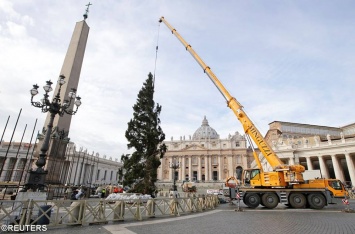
[(285, 184)]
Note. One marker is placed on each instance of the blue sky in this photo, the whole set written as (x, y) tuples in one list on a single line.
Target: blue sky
[(290, 61)]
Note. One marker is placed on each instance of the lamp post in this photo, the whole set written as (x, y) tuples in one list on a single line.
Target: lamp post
[(37, 176), (174, 165)]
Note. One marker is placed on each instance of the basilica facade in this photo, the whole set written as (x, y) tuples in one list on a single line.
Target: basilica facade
[(204, 157)]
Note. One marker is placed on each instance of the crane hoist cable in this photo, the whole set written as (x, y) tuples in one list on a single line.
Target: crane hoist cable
[(156, 55)]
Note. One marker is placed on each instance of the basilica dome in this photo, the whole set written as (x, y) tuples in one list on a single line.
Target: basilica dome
[(205, 132)]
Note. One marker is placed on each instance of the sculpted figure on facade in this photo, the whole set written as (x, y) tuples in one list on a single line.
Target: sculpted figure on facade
[(280, 140), (274, 144), (290, 141), (316, 140), (342, 137)]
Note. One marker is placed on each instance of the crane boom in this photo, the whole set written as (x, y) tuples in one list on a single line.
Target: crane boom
[(237, 108)]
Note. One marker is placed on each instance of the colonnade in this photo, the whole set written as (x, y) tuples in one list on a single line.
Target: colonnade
[(331, 166)]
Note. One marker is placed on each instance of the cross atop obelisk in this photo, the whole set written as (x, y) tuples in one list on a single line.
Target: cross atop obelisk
[(87, 11)]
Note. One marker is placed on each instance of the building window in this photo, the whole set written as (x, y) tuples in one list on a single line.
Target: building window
[(105, 175), (111, 175), (237, 144)]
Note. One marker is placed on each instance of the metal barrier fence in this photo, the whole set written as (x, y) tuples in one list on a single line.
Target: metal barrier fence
[(56, 213)]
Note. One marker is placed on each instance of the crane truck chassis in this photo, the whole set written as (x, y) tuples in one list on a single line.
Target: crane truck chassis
[(316, 196), (285, 183)]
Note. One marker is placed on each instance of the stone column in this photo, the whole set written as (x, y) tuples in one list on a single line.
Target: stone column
[(13, 168), (199, 176), (323, 167), (180, 169), (309, 163), (220, 167), (351, 167), (208, 167), (183, 167), (74, 172), (82, 171), (19, 166), (231, 166), (190, 168), (170, 170), (337, 169), (159, 170), (291, 161), (5, 168), (209, 161), (63, 172)]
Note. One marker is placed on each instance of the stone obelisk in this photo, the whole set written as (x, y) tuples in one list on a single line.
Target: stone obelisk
[(71, 70)]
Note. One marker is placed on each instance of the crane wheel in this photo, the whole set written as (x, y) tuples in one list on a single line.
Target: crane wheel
[(297, 200), (252, 200), (316, 201), (270, 200)]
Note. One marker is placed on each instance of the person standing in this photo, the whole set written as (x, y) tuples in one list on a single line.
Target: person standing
[(103, 193), (99, 191), (68, 192), (80, 194)]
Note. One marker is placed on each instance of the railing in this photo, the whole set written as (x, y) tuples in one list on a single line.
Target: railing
[(56, 213)]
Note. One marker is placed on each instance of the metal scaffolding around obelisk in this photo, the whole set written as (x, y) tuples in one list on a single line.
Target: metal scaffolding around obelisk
[(71, 70)]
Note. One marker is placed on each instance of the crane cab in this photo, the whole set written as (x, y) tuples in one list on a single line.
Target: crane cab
[(256, 178)]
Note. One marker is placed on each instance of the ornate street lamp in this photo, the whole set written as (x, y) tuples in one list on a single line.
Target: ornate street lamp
[(37, 176), (174, 165)]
